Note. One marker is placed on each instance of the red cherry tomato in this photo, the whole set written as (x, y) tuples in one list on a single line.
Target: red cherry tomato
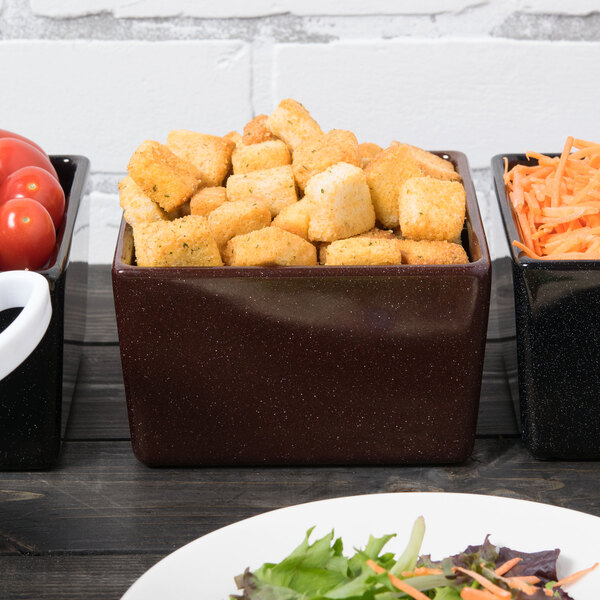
[(39, 185), (9, 134), (27, 235), (15, 154)]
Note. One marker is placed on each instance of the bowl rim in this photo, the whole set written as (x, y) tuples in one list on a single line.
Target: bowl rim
[(473, 220), (511, 229), (74, 199)]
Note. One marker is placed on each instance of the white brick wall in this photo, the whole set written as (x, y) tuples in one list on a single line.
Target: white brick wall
[(96, 77)]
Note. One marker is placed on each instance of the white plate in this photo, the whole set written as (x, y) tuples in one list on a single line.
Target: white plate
[(204, 569)]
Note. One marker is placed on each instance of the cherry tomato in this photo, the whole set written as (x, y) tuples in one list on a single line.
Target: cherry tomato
[(27, 235), (39, 185), (15, 154), (9, 134)]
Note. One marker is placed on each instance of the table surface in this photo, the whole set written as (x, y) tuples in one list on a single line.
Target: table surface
[(95, 522)]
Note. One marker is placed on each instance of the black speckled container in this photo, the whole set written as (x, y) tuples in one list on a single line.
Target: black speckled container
[(35, 399), (557, 314), (304, 365)]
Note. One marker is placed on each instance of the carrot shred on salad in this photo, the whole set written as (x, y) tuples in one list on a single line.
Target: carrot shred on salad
[(398, 583), (574, 576), (508, 565), (557, 202)]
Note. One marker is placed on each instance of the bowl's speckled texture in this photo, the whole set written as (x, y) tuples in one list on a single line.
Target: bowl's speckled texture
[(304, 365), (557, 312), (36, 397)]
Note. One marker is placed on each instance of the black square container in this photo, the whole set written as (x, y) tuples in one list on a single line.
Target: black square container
[(557, 320), (35, 398)]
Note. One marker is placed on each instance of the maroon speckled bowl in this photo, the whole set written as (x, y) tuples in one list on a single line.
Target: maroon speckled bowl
[(304, 365)]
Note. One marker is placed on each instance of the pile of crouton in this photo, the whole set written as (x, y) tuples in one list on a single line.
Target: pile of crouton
[(284, 193)]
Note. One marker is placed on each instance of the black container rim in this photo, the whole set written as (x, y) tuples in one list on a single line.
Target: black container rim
[(511, 229), (477, 267), (60, 259)]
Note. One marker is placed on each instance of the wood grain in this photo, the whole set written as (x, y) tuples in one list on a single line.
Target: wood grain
[(71, 577), (101, 500)]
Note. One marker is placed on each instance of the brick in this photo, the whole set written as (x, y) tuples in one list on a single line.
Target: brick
[(480, 96), (573, 7), (243, 8), (105, 218), (102, 99)]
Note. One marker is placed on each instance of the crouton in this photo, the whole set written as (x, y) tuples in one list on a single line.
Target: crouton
[(378, 234), (364, 251), (368, 151), (185, 242), (137, 207), (275, 186), (263, 155), (431, 164), (292, 123), (339, 204), (233, 136), (427, 252), (385, 173), (210, 154), (294, 218), (204, 201), (255, 131), (431, 209), (164, 177), (323, 252), (270, 246), (236, 218), (314, 155)]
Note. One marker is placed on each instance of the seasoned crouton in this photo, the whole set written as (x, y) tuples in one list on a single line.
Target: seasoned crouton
[(210, 154), (385, 173), (364, 251), (137, 207), (275, 186), (255, 131), (236, 218), (339, 204), (294, 218), (166, 178), (292, 123), (378, 234), (263, 155), (431, 209), (315, 154), (427, 252), (431, 164), (270, 246), (204, 201), (233, 136), (323, 252), (368, 151), (185, 242)]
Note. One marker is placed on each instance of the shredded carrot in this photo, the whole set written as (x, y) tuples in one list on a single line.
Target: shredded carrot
[(418, 571), (575, 576), (398, 583), (485, 582), (469, 593), (555, 199), (508, 565)]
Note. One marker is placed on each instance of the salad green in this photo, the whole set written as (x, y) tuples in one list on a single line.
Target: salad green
[(319, 570)]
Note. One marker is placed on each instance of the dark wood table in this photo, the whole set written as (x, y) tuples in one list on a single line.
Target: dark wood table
[(92, 525)]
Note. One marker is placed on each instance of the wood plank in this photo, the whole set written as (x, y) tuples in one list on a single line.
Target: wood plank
[(71, 577), (100, 499), (101, 322)]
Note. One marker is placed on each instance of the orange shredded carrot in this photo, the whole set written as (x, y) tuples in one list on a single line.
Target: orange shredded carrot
[(508, 565), (398, 583), (556, 199), (418, 571), (473, 594), (485, 582), (575, 576)]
